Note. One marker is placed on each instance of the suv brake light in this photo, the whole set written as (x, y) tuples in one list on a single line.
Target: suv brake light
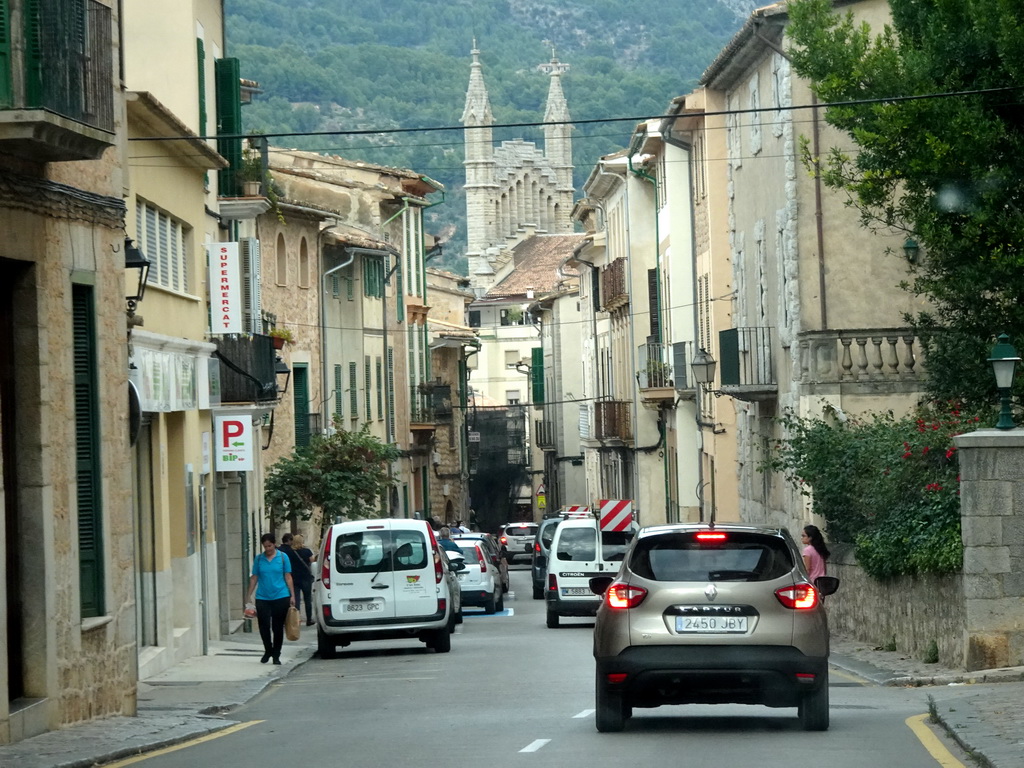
[(325, 560), (438, 568), (483, 560), (623, 596), (536, 547), (799, 596), (709, 536), (504, 539)]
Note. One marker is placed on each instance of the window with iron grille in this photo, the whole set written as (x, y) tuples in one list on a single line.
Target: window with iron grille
[(163, 239)]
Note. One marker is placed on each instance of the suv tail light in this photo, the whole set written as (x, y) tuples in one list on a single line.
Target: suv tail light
[(536, 547), (504, 539), (799, 596), (709, 536), (325, 560), (623, 596), (483, 560)]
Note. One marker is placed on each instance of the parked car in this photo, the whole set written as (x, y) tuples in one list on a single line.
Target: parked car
[(480, 581), (516, 540), (494, 550), (382, 579), (710, 615), (541, 546), (456, 565), (580, 550)]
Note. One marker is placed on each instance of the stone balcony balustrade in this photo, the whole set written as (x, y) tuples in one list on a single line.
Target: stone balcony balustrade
[(879, 359)]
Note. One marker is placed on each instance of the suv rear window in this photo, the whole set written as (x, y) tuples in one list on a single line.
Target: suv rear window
[(380, 551), (521, 530), (740, 557)]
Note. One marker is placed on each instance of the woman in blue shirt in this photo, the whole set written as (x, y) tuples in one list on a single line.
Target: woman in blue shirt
[(271, 585)]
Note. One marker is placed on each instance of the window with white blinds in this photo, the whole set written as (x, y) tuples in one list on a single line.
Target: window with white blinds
[(162, 239)]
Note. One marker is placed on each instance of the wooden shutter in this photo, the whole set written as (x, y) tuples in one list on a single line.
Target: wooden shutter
[(353, 391), (33, 32), (252, 291), (652, 300), (6, 96), (300, 399), (339, 400), (201, 60), (367, 388), (227, 75), (87, 452), (379, 365), (537, 375), (391, 392)]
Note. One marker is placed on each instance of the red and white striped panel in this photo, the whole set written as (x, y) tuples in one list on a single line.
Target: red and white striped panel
[(576, 511), (616, 514)]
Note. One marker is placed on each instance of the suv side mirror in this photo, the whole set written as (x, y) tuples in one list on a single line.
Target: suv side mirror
[(599, 584), (827, 585)]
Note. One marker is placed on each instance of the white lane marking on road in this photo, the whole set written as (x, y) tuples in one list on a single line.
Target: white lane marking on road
[(535, 745), (584, 713)]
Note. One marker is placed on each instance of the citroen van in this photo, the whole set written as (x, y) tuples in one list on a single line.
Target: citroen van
[(579, 552), (382, 579)]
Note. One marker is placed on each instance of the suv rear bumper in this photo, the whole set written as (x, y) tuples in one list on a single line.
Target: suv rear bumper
[(680, 674)]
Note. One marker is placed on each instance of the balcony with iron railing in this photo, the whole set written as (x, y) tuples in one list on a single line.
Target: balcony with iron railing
[(747, 364), (247, 371), (57, 83), (614, 291), (612, 420), (661, 370)]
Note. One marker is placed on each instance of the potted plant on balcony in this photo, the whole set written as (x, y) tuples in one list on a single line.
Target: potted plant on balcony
[(281, 336), (251, 173), (659, 374)]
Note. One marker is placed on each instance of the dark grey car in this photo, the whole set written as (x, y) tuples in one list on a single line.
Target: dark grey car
[(541, 549), (702, 615)]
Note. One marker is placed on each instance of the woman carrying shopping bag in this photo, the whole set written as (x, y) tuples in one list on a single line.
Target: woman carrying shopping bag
[(271, 585)]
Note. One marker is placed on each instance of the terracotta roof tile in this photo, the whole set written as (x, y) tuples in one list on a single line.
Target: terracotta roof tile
[(536, 265)]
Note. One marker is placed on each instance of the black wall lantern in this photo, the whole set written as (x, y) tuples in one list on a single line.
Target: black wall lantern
[(135, 259), (281, 370)]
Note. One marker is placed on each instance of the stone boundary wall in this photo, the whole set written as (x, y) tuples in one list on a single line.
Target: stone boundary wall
[(911, 611)]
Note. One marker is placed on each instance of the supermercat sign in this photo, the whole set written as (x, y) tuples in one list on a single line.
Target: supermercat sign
[(225, 287)]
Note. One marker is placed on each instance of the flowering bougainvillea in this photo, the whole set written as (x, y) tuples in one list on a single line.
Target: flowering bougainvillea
[(890, 486)]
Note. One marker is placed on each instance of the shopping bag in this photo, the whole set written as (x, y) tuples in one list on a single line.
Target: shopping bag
[(291, 623)]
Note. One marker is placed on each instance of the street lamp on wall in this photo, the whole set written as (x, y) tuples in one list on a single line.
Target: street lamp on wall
[(703, 367), (281, 370), (1004, 361), (911, 250), (135, 259)]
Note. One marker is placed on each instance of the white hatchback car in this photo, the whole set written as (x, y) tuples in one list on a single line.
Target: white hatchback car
[(481, 578), (382, 579)]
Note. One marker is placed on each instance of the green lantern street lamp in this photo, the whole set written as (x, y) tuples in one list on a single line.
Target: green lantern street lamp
[(1004, 361)]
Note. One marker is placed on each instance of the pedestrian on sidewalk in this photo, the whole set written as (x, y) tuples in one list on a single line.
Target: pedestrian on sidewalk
[(274, 592), (303, 577), (815, 552)]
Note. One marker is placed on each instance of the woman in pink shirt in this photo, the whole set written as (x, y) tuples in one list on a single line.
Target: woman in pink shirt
[(815, 552)]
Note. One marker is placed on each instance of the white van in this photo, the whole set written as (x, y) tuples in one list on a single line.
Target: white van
[(382, 579), (579, 552)]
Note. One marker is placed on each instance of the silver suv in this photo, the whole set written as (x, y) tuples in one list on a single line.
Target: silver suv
[(712, 615), (517, 540)]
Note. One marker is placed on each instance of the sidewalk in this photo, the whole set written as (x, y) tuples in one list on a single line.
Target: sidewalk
[(179, 704), (980, 710)]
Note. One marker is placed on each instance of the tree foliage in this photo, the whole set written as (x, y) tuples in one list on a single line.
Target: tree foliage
[(890, 486), (945, 168), (341, 474)]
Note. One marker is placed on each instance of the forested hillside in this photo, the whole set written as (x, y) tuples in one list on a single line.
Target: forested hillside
[(345, 65)]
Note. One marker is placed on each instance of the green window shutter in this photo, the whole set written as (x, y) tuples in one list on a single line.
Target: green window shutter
[(33, 32), (368, 388), (653, 305), (300, 398), (335, 285), (350, 289), (391, 392), (729, 352), (227, 75), (87, 452), (537, 375), (353, 391), (6, 96), (380, 388), (201, 60), (339, 410)]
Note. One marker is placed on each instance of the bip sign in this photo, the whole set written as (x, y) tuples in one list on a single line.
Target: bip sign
[(233, 443)]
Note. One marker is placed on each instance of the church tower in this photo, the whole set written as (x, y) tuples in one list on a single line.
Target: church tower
[(515, 190), (479, 163), (558, 143)]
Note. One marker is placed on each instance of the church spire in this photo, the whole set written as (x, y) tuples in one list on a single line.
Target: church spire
[(558, 141), (479, 164), (478, 104)]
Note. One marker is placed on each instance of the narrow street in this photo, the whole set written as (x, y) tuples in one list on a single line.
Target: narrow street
[(513, 692)]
